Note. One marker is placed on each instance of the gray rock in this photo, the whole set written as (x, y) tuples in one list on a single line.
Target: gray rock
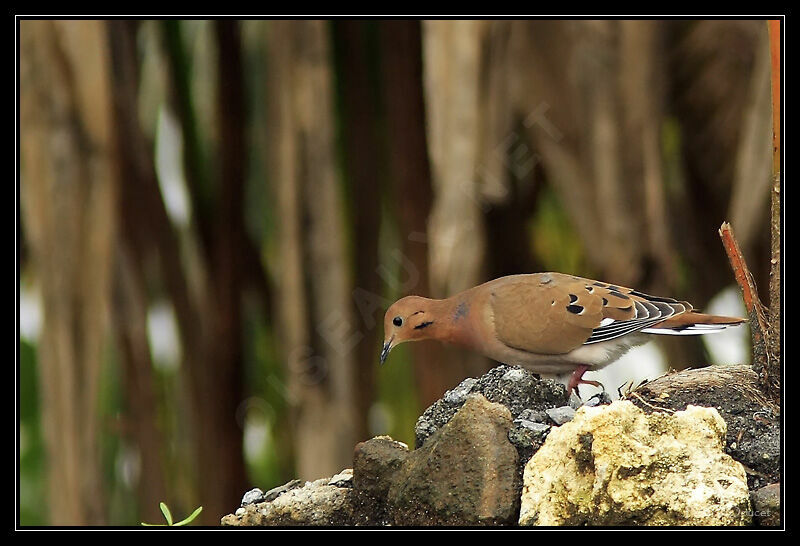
[(342, 479), (464, 474), (561, 415), (458, 395), (276, 492), (538, 428), (516, 388), (767, 505), (375, 463), (533, 416), (598, 399), (315, 503), (254, 495)]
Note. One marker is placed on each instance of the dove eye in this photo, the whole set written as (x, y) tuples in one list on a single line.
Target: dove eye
[(397, 321)]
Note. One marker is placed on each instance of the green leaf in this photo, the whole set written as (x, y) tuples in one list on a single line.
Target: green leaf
[(191, 518), (166, 512)]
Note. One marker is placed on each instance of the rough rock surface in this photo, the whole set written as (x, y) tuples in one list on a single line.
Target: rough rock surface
[(466, 473), (767, 505), (754, 426), (616, 465), (316, 503), (516, 388)]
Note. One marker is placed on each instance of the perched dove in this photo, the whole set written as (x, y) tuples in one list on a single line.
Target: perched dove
[(550, 323)]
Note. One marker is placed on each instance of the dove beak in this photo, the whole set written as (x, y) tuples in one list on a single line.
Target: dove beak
[(387, 347)]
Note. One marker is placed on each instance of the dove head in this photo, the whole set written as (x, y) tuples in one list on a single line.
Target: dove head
[(408, 319)]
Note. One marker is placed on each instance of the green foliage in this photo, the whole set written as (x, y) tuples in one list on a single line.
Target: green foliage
[(32, 491), (556, 244), (168, 517)]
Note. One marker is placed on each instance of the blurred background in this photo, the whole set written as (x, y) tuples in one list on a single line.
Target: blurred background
[(214, 216)]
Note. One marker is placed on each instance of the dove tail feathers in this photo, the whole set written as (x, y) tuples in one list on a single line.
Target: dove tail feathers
[(693, 323)]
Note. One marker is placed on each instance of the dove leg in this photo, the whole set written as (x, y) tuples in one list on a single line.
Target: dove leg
[(577, 379)]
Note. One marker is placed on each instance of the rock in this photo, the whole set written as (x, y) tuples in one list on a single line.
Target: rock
[(767, 505), (254, 495), (561, 415), (516, 388), (754, 424), (375, 463), (597, 399), (459, 395), (617, 465), (464, 474), (275, 492), (316, 503), (343, 478)]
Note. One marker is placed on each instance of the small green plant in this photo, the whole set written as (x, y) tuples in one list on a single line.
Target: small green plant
[(168, 517)]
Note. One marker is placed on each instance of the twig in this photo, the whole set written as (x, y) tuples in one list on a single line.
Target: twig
[(743, 276), (755, 309)]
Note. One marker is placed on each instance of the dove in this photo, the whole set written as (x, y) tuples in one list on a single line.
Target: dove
[(549, 323)]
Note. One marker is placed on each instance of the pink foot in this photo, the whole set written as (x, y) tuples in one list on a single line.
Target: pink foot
[(577, 379)]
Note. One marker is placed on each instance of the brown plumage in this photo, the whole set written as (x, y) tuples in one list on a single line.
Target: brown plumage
[(546, 322)]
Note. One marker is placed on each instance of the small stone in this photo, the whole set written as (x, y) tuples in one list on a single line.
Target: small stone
[(342, 479), (460, 393), (513, 375), (767, 505), (575, 401), (252, 496), (533, 426), (240, 511), (561, 415), (601, 398), (276, 492), (532, 415)]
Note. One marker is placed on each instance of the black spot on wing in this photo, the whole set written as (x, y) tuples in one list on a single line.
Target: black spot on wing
[(573, 298), (576, 309)]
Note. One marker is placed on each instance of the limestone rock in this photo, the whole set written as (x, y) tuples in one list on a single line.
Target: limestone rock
[(616, 465), (316, 503)]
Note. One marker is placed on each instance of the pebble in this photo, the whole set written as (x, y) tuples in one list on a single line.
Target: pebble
[(342, 479), (252, 496), (561, 415), (460, 393)]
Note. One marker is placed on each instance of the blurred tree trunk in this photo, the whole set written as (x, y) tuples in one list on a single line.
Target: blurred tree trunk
[(133, 162), (362, 147), (216, 363), (457, 236), (709, 61), (315, 308), (411, 191), (68, 207)]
